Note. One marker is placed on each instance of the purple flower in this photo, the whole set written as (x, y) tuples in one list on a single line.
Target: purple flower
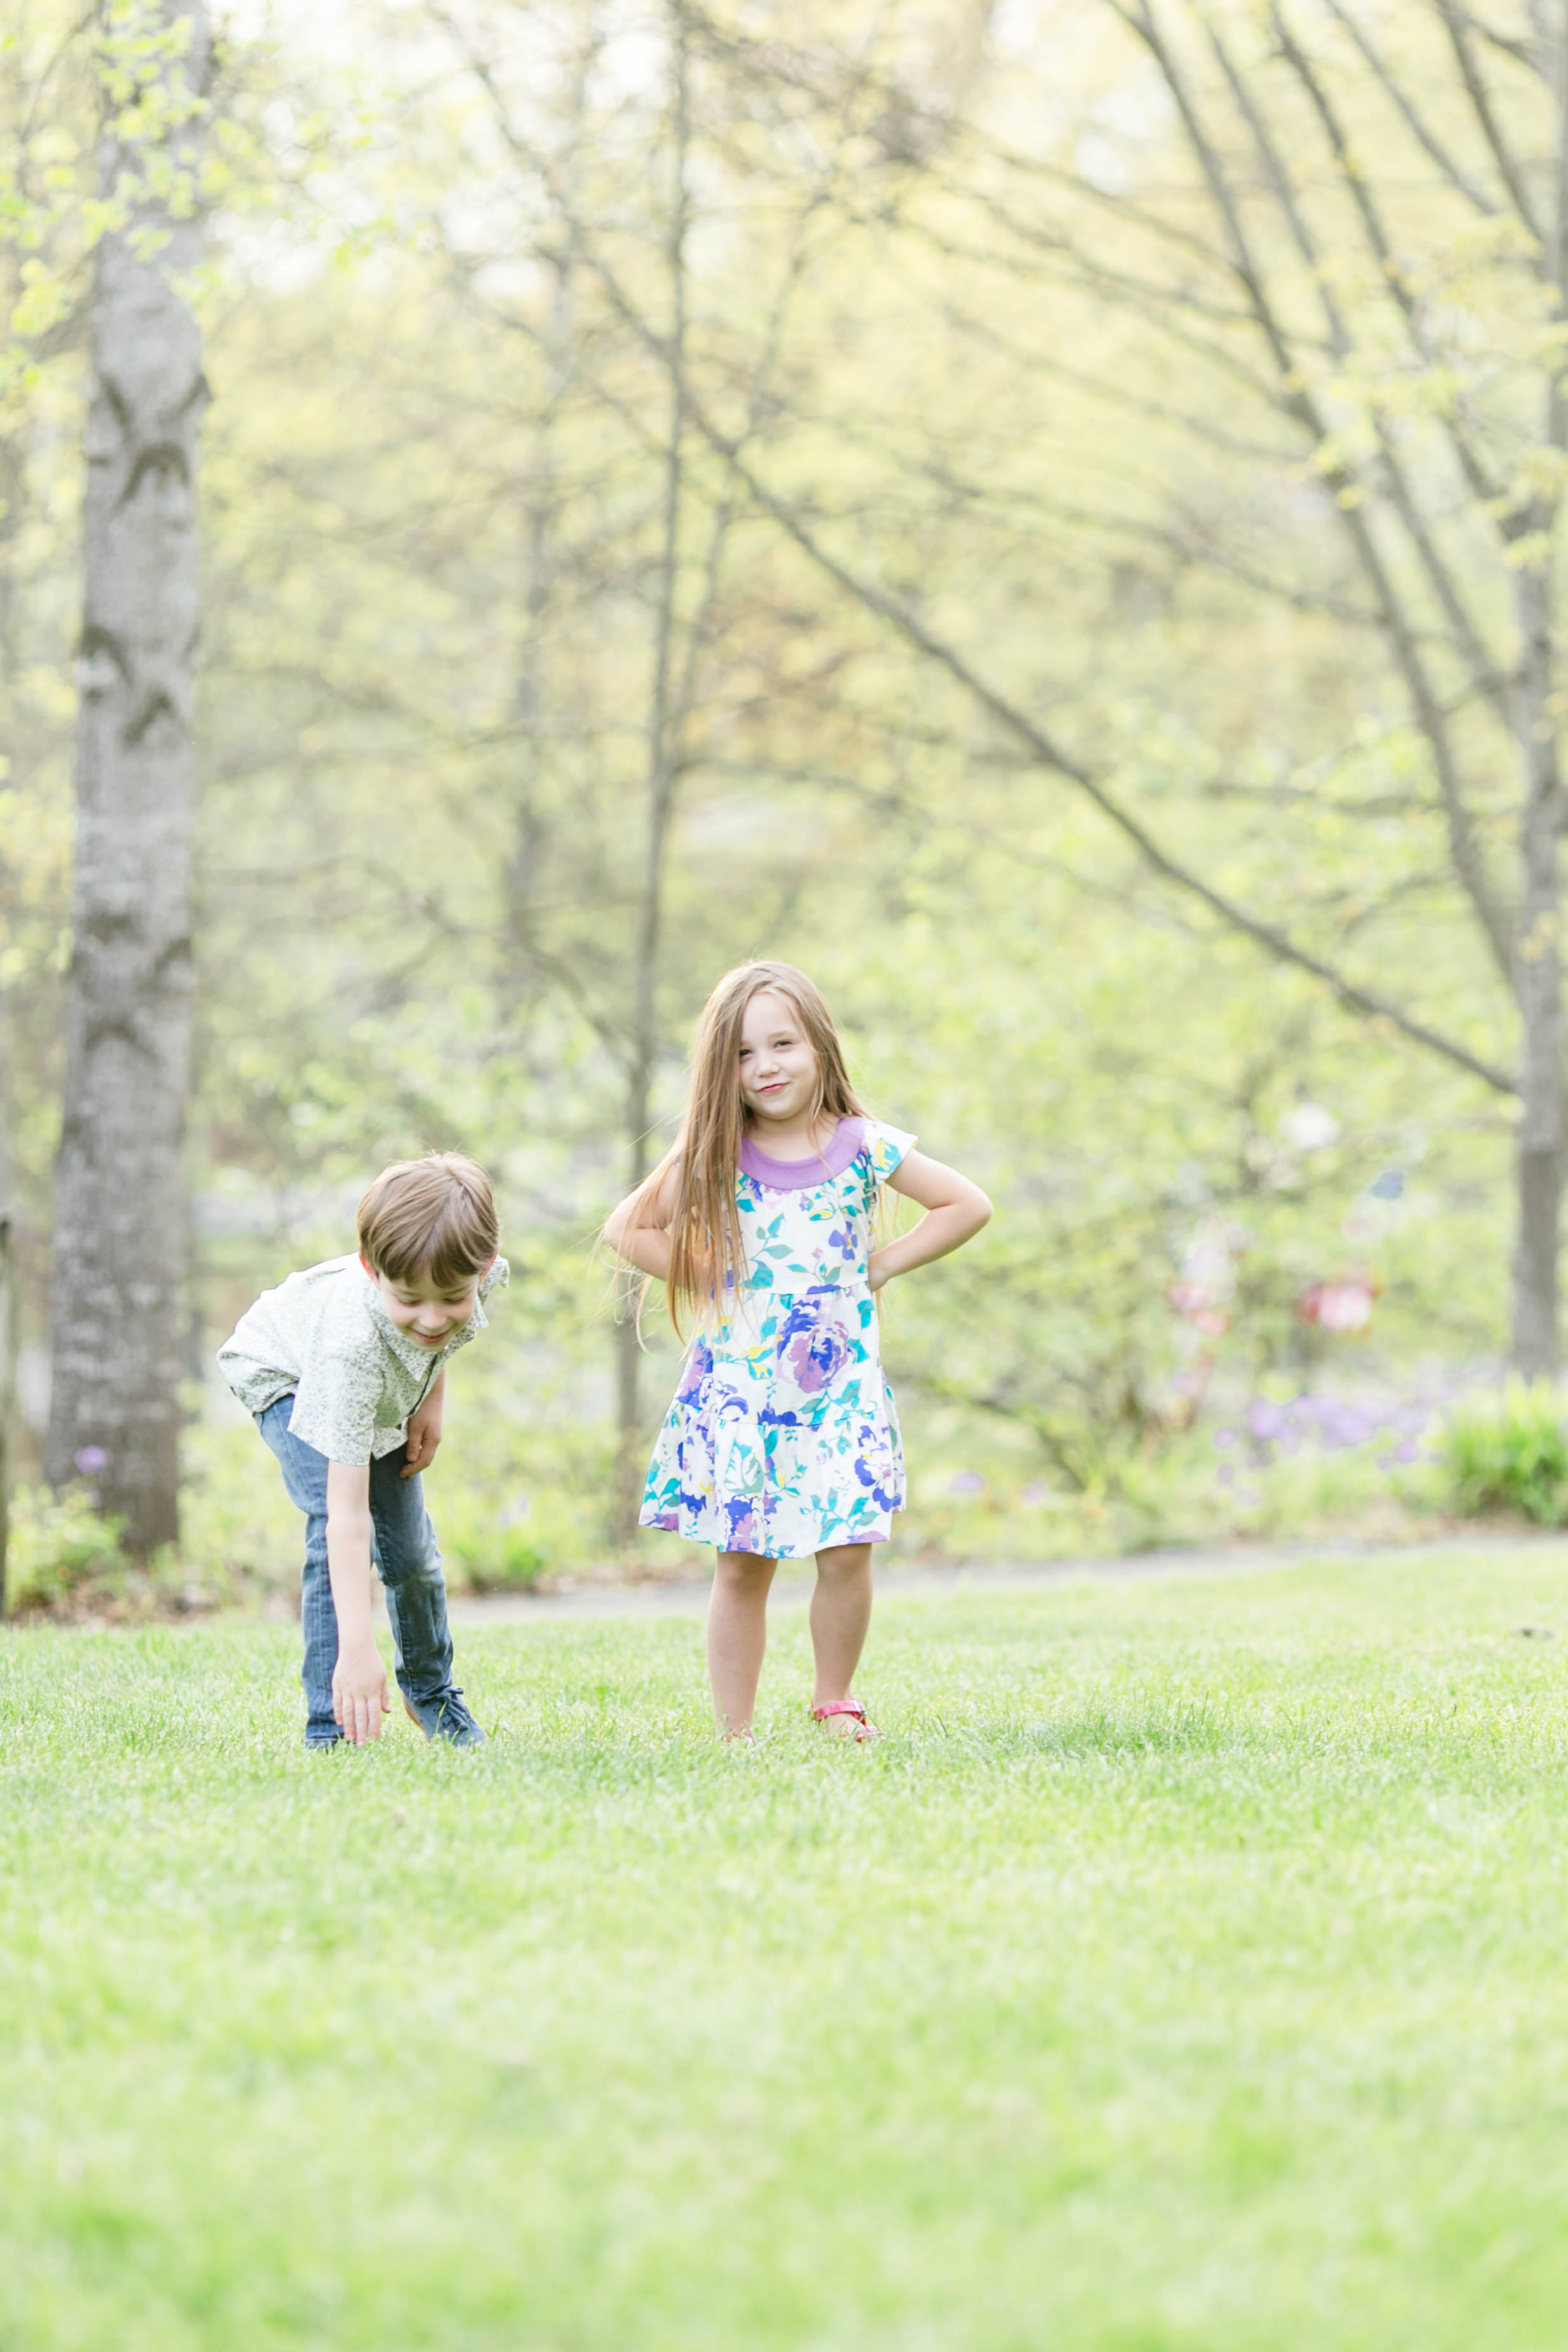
[(1344, 1426), (1265, 1420), (880, 1476), (966, 1482), (814, 1353), (1224, 1437), (88, 1458), (742, 1526)]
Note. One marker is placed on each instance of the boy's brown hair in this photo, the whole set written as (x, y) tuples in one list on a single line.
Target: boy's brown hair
[(434, 1218)]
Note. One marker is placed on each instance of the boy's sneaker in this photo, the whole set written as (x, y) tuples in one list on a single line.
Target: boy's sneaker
[(444, 1716)]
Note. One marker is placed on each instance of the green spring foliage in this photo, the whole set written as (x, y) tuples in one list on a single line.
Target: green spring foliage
[(57, 1542), (1509, 1451)]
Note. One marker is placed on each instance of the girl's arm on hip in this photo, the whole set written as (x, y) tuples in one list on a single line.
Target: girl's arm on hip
[(954, 1211), (637, 1230)]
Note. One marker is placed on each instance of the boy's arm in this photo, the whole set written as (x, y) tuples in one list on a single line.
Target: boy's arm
[(424, 1429), (359, 1679)]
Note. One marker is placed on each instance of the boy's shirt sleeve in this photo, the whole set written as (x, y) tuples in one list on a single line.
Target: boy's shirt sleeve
[(260, 1359)]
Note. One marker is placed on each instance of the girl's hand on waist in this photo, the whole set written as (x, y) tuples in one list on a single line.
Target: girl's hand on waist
[(955, 1210)]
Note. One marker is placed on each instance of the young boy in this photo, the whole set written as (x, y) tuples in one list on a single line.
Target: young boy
[(343, 1367)]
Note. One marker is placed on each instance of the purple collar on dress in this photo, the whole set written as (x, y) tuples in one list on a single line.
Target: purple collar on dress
[(795, 1175)]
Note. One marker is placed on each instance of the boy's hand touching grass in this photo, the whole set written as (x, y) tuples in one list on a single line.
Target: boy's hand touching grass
[(360, 1696)]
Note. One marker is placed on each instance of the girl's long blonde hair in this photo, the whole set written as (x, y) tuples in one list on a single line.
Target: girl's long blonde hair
[(706, 1254)]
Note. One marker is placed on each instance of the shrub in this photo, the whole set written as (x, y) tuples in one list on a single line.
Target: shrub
[(487, 1552), (1509, 1451), (240, 1537), (57, 1542)]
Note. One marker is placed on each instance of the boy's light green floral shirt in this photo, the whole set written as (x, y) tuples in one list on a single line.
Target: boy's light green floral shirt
[(324, 1337)]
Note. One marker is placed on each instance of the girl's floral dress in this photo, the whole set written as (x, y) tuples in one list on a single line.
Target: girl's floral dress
[(783, 1438)]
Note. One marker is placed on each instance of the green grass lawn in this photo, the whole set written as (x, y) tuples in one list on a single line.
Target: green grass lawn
[(1186, 1971)]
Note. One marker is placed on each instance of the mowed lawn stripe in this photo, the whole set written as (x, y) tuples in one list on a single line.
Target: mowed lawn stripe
[(1183, 1971)]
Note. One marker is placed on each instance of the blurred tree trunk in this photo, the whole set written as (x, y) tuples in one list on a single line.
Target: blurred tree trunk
[(119, 1210), (7, 1387), (665, 726)]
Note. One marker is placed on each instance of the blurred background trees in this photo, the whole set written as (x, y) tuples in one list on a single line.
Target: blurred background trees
[(1047, 515)]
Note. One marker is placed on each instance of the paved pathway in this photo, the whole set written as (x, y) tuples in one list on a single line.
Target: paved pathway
[(793, 1591)]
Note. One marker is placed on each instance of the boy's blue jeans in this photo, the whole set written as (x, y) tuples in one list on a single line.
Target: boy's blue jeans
[(403, 1549)]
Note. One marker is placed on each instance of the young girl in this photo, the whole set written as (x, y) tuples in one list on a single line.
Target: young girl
[(782, 1441)]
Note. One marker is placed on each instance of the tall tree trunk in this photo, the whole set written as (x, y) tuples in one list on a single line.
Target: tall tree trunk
[(13, 484), (1538, 985), (530, 822), (120, 1215), (1542, 1145), (7, 1387), (1541, 1132), (663, 774)]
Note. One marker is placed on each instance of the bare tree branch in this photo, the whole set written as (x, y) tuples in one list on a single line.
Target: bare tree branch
[(1397, 96), (1464, 842), (1050, 754), (1483, 668), (1458, 23), (1482, 485)]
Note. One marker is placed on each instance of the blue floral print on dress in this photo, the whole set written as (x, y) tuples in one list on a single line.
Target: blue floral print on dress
[(782, 1437)]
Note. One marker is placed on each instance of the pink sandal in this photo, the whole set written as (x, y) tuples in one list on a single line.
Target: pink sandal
[(865, 1729)]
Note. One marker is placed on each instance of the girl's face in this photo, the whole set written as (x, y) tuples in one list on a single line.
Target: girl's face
[(778, 1067)]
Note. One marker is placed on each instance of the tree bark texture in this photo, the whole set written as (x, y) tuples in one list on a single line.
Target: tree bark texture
[(1538, 986), (1542, 1139), (7, 1389), (663, 729), (120, 1214)]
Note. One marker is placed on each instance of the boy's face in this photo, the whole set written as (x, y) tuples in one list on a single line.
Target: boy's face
[(429, 1315)]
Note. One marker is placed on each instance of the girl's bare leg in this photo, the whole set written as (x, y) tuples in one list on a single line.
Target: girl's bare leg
[(737, 1637), (840, 1612)]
